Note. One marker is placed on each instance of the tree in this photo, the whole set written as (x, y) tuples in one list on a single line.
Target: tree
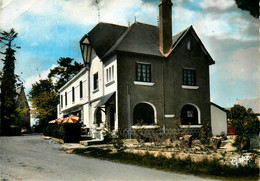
[(64, 72), (44, 101), (44, 94), (8, 86), (249, 5), (245, 123)]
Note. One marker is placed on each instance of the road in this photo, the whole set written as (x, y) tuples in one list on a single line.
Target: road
[(31, 158)]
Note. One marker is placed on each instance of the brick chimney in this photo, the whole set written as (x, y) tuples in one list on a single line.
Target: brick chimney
[(165, 25)]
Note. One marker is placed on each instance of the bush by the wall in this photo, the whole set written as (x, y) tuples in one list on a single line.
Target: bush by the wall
[(70, 133), (15, 130)]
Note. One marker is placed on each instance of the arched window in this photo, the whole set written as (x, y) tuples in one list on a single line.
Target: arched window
[(189, 115), (98, 117), (144, 114)]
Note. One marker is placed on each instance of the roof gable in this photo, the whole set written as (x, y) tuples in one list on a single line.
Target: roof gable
[(179, 37)]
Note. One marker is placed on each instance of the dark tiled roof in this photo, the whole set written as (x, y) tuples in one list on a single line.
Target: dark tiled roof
[(103, 36), (140, 38)]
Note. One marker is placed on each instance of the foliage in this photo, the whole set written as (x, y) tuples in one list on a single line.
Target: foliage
[(15, 130), (22, 114), (115, 138), (44, 101), (43, 95), (205, 132), (64, 72), (8, 93), (69, 132), (245, 123), (205, 167), (138, 132), (249, 5)]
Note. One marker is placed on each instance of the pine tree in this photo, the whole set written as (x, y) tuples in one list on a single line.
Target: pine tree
[(8, 90)]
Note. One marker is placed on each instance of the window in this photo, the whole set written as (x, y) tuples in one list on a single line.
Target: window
[(61, 100), (66, 99), (110, 73), (189, 77), (96, 81), (143, 114), (73, 94), (189, 115), (143, 72), (80, 89), (188, 45)]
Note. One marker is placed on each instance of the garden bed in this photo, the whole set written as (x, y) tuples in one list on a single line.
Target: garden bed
[(205, 167)]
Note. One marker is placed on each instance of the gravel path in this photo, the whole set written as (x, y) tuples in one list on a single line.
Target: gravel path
[(31, 158)]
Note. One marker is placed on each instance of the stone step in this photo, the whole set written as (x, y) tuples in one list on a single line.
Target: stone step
[(85, 137), (91, 142)]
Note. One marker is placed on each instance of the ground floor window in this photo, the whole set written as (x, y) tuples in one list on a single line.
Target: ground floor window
[(189, 115), (143, 114)]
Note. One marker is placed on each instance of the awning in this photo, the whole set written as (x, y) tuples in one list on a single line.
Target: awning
[(104, 99)]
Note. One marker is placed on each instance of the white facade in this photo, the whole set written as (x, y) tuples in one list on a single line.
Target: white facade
[(97, 82), (218, 120)]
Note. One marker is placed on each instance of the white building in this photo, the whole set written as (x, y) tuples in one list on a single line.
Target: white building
[(90, 87), (218, 119)]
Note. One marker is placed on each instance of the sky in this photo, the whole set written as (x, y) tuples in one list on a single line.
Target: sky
[(50, 29)]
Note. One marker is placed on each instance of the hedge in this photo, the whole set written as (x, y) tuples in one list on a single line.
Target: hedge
[(69, 132)]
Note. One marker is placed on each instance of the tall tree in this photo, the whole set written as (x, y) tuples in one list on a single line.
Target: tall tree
[(44, 101), (8, 87), (249, 5), (64, 72)]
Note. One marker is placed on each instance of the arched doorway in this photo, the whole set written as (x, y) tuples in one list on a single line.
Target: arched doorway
[(143, 114), (189, 115), (98, 116)]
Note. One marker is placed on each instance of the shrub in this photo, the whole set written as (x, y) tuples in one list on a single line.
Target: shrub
[(245, 123), (70, 133), (15, 130), (205, 132)]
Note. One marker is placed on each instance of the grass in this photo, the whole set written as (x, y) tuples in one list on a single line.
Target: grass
[(203, 168)]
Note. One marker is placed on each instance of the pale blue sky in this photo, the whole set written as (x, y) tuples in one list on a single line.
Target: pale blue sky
[(49, 29)]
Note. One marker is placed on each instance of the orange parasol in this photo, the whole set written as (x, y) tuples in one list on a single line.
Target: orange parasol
[(71, 119)]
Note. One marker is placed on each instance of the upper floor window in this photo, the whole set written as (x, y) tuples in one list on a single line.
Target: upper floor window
[(143, 72), (189, 77), (61, 100), (66, 101), (110, 74), (80, 89), (73, 94), (95, 81)]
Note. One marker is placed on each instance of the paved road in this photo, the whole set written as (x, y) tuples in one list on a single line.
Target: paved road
[(31, 158)]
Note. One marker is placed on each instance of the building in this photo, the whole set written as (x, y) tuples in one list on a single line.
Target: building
[(218, 119), (21, 102), (140, 74), (253, 103)]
